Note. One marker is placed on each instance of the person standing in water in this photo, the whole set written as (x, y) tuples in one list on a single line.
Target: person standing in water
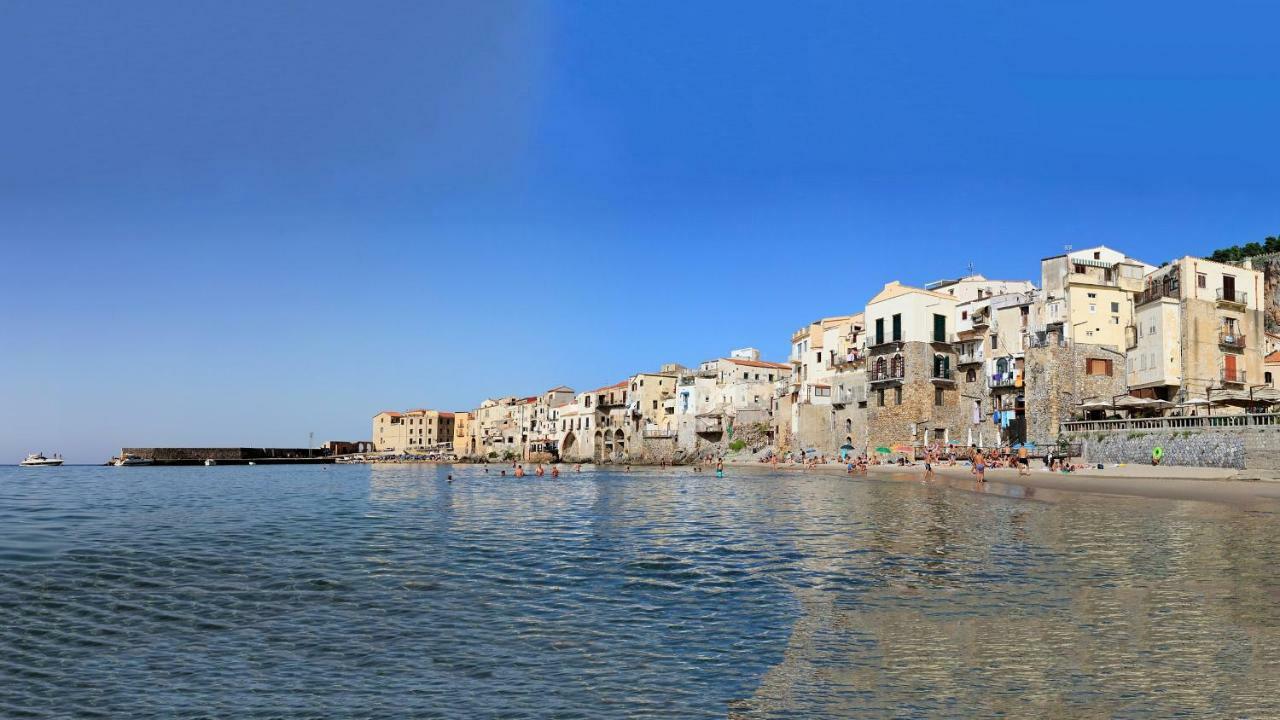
[(720, 467), (555, 471), (519, 471), (539, 471)]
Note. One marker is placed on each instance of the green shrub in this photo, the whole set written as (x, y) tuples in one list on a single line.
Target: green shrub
[(737, 445), (493, 454)]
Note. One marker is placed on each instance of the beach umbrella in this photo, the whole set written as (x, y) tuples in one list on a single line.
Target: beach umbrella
[(883, 450)]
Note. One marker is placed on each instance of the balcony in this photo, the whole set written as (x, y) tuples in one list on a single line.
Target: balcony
[(1003, 380), (879, 343), (942, 375), (658, 433), (1157, 291), (617, 400), (845, 396), (1234, 298), (1233, 377), (1231, 340), (943, 339), (846, 362), (709, 425), (885, 376), (971, 359)]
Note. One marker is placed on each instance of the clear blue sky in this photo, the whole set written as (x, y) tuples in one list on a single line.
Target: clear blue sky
[(233, 223)]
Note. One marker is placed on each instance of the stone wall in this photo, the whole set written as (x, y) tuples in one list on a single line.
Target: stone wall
[(1253, 449), (1055, 382), (894, 423)]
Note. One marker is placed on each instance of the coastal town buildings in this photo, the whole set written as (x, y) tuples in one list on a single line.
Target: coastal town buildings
[(727, 399), (463, 441), (964, 361), (913, 397), (412, 430), (1198, 328), (1090, 293), (825, 402)]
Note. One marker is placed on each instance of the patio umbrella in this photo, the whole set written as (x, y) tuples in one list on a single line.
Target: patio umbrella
[(1269, 396), (883, 450)]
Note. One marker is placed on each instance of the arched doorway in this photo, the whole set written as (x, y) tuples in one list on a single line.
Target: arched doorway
[(568, 448), (619, 444), (597, 452)]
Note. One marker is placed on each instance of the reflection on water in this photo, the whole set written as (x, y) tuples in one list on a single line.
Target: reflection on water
[(388, 591)]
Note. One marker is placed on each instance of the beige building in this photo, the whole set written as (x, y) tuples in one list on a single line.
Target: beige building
[(913, 396), (826, 401), (1198, 327), (413, 430), (1090, 294), (463, 440)]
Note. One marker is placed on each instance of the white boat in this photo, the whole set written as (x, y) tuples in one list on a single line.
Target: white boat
[(210, 462), (39, 460), (128, 460)]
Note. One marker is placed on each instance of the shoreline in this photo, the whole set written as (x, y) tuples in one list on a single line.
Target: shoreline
[(1165, 483)]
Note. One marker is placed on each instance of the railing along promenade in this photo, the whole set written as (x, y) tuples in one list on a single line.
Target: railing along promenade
[(1174, 423)]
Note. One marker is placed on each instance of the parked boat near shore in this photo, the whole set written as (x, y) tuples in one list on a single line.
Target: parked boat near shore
[(131, 460), (39, 460)]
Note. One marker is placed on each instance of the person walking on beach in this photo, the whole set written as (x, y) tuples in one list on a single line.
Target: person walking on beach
[(980, 466), (929, 459), (1024, 466)]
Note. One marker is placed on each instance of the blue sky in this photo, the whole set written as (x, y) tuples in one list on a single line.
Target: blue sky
[(235, 223)]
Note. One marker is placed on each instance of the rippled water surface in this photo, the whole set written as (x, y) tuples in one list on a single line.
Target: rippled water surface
[(352, 591)]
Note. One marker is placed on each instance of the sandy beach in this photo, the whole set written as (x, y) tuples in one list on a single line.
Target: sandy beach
[(1170, 483)]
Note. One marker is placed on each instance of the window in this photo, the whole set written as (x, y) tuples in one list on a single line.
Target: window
[(1097, 366), (937, 396), (1115, 307), (880, 398), (1093, 307), (1201, 280), (879, 331), (655, 404), (897, 328), (971, 375), (964, 314), (995, 342), (939, 328), (897, 395), (1266, 376), (1079, 269), (1093, 296)]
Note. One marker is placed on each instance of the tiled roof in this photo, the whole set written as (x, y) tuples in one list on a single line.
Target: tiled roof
[(1273, 357), (614, 386)]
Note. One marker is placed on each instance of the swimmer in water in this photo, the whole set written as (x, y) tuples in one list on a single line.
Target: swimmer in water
[(519, 471), (555, 471)]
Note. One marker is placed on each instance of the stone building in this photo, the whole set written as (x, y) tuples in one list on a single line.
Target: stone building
[(1199, 327), (1060, 376), (828, 380), (726, 399), (913, 398)]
